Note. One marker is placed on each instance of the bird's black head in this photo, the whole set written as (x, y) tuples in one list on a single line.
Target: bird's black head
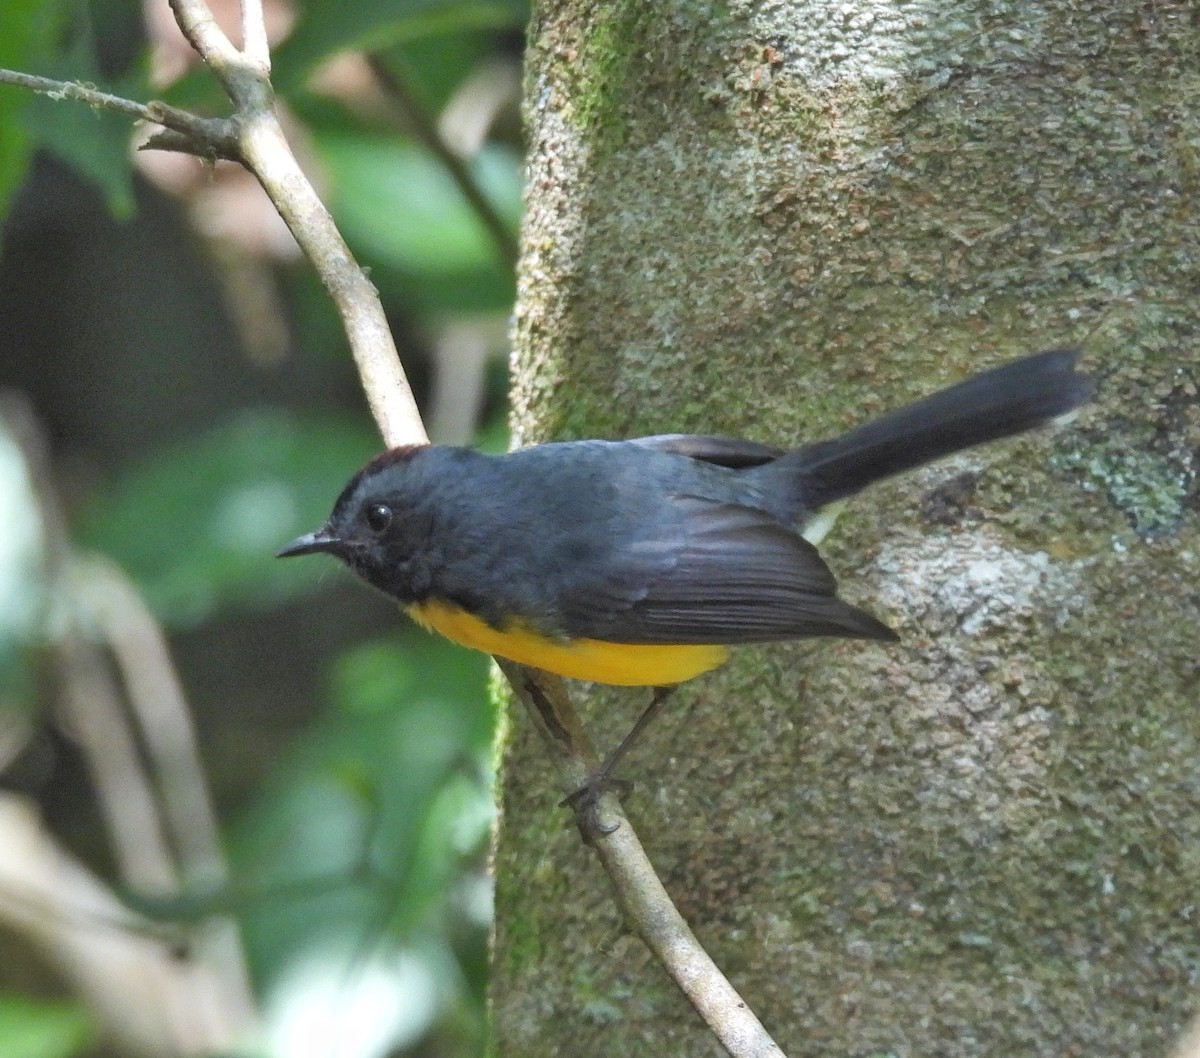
[(377, 526)]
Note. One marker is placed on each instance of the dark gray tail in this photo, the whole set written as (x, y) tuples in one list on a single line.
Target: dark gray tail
[(998, 403)]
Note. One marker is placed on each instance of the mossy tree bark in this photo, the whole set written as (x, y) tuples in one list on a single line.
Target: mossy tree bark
[(774, 220)]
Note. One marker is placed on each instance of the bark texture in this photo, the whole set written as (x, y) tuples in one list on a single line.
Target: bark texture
[(775, 220)]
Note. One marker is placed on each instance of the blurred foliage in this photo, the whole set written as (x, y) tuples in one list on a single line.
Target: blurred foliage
[(56, 40), (221, 502), (24, 40), (393, 204), (389, 800), (357, 869), (41, 1030), (96, 142), (328, 26)]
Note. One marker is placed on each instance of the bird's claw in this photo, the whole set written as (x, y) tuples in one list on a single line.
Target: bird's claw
[(585, 803)]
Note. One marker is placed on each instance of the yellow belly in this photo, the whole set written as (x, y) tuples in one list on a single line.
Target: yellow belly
[(623, 664)]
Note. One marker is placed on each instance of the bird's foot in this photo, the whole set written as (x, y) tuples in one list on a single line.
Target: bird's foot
[(585, 803)]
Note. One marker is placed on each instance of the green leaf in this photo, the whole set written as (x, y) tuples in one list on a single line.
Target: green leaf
[(22, 39), (93, 141), (395, 201), (197, 524), (404, 218), (329, 26), (41, 1030)]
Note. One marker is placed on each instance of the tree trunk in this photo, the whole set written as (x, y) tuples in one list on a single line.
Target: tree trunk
[(775, 221)]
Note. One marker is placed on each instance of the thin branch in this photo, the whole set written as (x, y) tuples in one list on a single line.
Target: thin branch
[(425, 129), (77, 91), (151, 996), (90, 709), (641, 894), (90, 701), (266, 153), (254, 34), (156, 700), (180, 143), (230, 66), (207, 137), (647, 905), (389, 396), (181, 1000)]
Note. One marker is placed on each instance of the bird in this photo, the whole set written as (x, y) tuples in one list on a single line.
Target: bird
[(642, 562)]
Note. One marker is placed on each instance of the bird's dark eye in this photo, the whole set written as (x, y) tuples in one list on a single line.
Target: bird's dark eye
[(379, 517)]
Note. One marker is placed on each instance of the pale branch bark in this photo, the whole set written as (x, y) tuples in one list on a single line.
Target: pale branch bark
[(266, 153), (147, 986), (389, 396), (243, 75), (254, 34), (156, 701), (641, 894)]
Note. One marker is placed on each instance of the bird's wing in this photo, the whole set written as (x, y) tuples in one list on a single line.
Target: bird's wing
[(710, 572), (732, 452)]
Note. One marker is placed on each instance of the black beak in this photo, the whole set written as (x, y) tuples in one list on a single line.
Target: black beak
[(323, 539)]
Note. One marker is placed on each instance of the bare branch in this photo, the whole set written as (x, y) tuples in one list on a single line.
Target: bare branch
[(144, 984), (181, 143), (207, 137), (90, 709), (77, 91), (264, 150), (268, 156), (254, 34), (151, 996), (231, 68), (645, 902), (156, 700)]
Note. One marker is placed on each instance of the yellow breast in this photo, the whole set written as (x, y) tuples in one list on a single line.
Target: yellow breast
[(623, 664)]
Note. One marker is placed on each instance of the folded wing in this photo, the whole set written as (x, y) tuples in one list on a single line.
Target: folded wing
[(713, 573)]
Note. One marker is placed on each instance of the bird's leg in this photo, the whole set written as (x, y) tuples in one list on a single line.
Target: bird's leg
[(586, 799)]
